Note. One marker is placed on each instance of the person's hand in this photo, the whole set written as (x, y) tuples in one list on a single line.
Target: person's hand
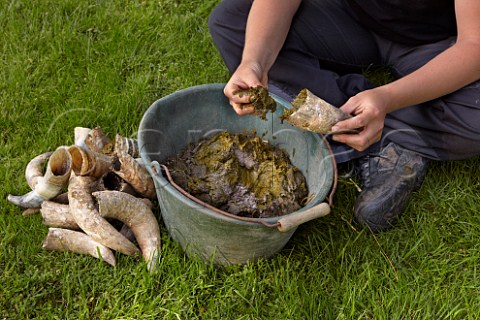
[(369, 110), (246, 76)]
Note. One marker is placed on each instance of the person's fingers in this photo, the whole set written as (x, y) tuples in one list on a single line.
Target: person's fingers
[(360, 141), (349, 106), (239, 102), (350, 124), (242, 108), (229, 92)]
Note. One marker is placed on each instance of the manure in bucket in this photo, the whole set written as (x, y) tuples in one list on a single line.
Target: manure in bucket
[(240, 174)]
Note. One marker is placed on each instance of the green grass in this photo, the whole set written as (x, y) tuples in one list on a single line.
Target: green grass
[(103, 63)]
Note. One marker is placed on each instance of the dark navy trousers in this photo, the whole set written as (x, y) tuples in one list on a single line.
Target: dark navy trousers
[(327, 51)]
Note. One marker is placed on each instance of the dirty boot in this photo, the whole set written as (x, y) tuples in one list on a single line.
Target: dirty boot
[(388, 180)]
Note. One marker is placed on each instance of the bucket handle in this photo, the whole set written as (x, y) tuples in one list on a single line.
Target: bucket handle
[(288, 223)]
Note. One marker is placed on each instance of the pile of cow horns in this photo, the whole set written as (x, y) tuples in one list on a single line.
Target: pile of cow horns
[(103, 179)]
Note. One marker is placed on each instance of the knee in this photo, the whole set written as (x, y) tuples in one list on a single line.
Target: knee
[(213, 19), (227, 13), (227, 24)]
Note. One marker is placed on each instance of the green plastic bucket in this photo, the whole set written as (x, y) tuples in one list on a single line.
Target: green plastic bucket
[(188, 115)]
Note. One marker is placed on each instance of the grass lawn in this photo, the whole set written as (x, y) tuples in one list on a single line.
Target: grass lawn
[(103, 63)]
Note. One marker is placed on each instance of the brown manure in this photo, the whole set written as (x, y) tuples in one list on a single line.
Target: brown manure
[(240, 174)]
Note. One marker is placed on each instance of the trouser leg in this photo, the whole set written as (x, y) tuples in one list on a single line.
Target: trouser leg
[(446, 128)]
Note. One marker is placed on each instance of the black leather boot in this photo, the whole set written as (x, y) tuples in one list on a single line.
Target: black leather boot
[(388, 180)]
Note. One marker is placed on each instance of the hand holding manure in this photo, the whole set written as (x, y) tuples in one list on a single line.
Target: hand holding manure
[(259, 100)]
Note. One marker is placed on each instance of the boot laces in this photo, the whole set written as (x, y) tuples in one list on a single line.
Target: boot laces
[(364, 167)]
